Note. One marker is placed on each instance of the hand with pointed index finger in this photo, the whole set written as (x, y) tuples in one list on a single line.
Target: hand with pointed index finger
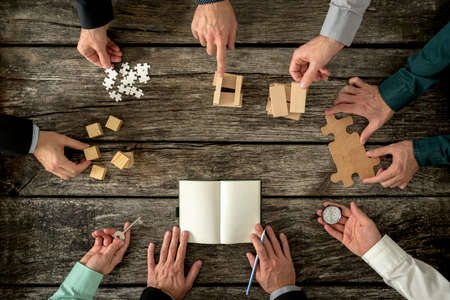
[(106, 253), (168, 274), (355, 229), (275, 269)]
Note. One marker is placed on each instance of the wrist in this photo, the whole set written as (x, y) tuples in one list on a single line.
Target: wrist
[(332, 44)]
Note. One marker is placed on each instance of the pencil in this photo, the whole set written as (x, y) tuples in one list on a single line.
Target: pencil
[(254, 266)]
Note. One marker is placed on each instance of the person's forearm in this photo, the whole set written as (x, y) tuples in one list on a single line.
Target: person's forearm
[(94, 13), (151, 293), (18, 136), (343, 19), (412, 278), (422, 70), (432, 151), (81, 284)]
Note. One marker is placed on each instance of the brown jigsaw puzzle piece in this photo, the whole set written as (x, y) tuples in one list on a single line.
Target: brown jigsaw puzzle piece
[(348, 153)]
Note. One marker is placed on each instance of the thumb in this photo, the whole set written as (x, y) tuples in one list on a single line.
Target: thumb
[(74, 144), (367, 132), (251, 259), (309, 76), (193, 273), (105, 59), (379, 152)]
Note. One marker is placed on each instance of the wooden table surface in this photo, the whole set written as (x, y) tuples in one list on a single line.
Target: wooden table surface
[(45, 222)]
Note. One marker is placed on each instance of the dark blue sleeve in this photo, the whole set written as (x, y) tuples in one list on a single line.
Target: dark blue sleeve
[(151, 293), (16, 135), (294, 295), (94, 13), (200, 2)]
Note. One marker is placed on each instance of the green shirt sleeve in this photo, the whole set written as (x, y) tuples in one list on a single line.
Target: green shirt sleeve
[(80, 284), (422, 70), (432, 151)]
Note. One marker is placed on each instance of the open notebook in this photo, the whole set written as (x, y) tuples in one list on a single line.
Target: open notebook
[(219, 212)]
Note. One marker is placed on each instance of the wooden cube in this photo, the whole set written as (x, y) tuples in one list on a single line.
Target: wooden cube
[(130, 163), (94, 130), (92, 153), (114, 123), (98, 172), (120, 160)]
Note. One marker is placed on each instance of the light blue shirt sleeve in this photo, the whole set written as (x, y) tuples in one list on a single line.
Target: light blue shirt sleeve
[(343, 20), (81, 284), (34, 139), (283, 290)]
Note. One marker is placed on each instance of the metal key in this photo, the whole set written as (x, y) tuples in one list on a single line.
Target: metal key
[(121, 234)]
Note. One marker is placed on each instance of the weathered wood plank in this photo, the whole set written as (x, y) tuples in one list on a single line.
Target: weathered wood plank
[(177, 105), (285, 170), (51, 234), (230, 292), (280, 21)]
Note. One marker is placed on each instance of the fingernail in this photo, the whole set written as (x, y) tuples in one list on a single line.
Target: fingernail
[(303, 85)]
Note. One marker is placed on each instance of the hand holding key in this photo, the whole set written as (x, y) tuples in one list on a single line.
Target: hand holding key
[(121, 234)]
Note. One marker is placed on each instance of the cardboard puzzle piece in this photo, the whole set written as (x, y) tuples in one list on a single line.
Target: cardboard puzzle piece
[(298, 98), (287, 93), (92, 153), (348, 153), (98, 172), (94, 130), (120, 160), (228, 81), (114, 123)]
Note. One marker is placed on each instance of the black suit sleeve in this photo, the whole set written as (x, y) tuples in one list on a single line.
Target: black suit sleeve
[(151, 293), (294, 295), (94, 13), (16, 135)]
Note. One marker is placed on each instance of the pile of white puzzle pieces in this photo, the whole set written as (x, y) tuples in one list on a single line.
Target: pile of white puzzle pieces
[(129, 77)]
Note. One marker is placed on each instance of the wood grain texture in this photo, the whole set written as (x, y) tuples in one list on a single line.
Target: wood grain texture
[(51, 234), (38, 83), (285, 170), (213, 292), (279, 21)]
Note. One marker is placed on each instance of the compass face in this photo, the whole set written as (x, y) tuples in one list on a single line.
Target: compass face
[(331, 214)]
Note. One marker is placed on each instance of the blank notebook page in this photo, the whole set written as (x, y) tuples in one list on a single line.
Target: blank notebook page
[(240, 210), (200, 210)]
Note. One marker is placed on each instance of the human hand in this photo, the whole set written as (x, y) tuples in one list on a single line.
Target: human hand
[(107, 252), (404, 165), (308, 61), (168, 274), (50, 153), (360, 98), (275, 269), (215, 26), (355, 229), (98, 48)]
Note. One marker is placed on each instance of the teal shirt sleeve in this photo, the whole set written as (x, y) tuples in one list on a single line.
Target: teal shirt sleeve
[(422, 70), (80, 284)]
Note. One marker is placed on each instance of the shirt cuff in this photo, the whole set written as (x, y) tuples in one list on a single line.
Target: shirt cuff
[(385, 256), (201, 2), (34, 139), (283, 290), (395, 90), (341, 24), (432, 151), (83, 281)]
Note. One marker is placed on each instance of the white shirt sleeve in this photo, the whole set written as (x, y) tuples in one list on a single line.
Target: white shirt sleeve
[(343, 19), (412, 278)]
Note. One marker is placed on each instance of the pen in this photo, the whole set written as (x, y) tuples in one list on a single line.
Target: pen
[(254, 266)]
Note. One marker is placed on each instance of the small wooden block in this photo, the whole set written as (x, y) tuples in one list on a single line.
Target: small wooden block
[(130, 156), (229, 81), (94, 130), (114, 123), (277, 94), (120, 160), (92, 153), (298, 98), (98, 172)]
